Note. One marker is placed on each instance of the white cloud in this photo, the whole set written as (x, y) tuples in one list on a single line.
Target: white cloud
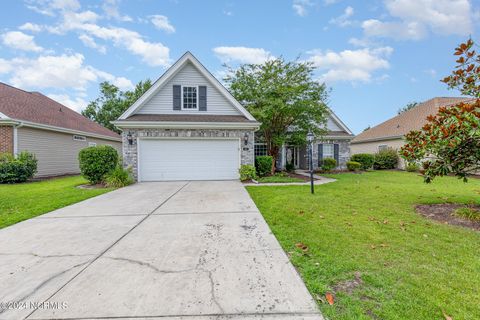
[(242, 54), (90, 42), (66, 71), (162, 23), (5, 66), (416, 18), (301, 7), (110, 7), (350, 65), (21, 41), (77, 103), (49, 7), (329, 2), (30, 27), (344, 19)]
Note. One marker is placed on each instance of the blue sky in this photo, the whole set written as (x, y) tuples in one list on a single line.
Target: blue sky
[(376, 56)]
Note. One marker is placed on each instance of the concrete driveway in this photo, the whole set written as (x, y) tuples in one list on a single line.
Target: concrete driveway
[(169, 250)]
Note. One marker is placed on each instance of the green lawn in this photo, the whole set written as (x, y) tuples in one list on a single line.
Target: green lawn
[(279, 179), (411, 268), (23, 201)]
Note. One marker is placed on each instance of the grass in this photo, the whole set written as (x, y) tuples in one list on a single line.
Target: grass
[(279, 178), (468, 213), (411, 267), (23, 201)]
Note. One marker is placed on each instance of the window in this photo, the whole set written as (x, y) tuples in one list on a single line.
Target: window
[(79, 138), (189, 96), (260, 149), (328, 150), (92, 144), (382, 147)]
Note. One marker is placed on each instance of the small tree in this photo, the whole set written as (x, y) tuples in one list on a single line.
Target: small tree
[(284, 97), (450, 140), (113, 102)]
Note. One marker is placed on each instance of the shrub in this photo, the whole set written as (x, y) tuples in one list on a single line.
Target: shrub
[(412, 167), (20, 169), (247, 172), (290, 167), (96, 162), (264, 165), (468, 213), (353, 165), (328, 164), (386, 159), (366, 160), (118, 177)]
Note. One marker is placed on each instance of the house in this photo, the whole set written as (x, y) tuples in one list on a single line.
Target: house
[(334, 144), (30, 121), (391, 133), (187, 126)]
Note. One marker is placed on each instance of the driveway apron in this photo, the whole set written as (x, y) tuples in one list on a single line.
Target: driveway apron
[(166, 250)]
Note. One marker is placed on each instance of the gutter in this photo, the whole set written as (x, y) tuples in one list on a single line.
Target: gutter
[(186, 125), (378, 139)]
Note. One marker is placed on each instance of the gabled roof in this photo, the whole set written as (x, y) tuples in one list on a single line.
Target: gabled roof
[(340, 123), (413, 119), (35, 108), (172, 71)]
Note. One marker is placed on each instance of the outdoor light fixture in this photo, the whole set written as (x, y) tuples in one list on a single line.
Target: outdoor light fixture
[(310, 137), (130, 138), (245, 138)]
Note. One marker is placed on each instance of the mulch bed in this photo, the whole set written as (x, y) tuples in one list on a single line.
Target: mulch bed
[(92, 186), (445, 213)]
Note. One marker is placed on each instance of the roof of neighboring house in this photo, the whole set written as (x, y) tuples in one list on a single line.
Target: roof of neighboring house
[(34, 107), (413, 119), (187, 118)]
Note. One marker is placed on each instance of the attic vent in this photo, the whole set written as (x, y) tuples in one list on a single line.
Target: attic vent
[(79, 138)]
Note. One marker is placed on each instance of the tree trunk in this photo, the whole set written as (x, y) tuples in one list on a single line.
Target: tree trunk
[(273, 152)]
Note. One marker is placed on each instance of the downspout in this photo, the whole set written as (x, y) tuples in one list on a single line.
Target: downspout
[(15, 138)]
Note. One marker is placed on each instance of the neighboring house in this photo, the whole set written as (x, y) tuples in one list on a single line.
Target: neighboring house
[(391, 133), (334, 144), (187, 126), (30, 121)]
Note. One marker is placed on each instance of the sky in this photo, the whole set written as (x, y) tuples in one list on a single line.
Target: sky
[(375, 56)]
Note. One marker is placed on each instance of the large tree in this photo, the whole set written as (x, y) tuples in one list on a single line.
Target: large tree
[(112, 102), (407, 107), (450, 140), (284, 97)]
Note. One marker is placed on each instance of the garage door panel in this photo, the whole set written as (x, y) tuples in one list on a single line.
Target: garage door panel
[(183, 159)]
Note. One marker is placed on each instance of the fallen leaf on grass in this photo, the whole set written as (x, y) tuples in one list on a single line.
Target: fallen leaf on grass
[(385, 221), (373, 247), (302, 246), (330, 298), (300, 213), (446, 316), (319, 298)]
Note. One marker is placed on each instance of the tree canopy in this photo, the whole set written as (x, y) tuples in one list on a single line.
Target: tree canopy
[(407, 107), (284, 97), (449, 143), (112, 102)]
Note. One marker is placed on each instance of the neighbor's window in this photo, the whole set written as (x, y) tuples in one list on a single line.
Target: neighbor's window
[(382, 147), (328, 150), (79, 138), (92, 144), (189, 97), (260, 149)]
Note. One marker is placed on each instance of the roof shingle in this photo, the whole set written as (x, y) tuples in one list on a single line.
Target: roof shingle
[(413, 119), (34, 107)]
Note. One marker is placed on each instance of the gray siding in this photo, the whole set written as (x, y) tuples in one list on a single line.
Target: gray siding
[(162, 101), (57, 152)]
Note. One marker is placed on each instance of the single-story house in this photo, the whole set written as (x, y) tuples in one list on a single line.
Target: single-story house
[(391, 133), (187, 126), (30, 121)]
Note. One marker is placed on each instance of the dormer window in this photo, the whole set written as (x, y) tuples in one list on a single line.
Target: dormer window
[(189, 98)]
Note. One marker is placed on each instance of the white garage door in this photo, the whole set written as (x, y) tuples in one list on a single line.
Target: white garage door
[(182, 159)]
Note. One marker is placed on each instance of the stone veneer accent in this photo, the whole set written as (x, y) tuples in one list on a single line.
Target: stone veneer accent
[(343, 152), (6, 139), (130, 151)]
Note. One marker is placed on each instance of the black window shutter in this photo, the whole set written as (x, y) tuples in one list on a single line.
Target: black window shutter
[(320, 154), (335, 152), (177, 97), (202, 98)]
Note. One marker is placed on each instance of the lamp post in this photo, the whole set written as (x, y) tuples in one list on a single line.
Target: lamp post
[(310, 138)]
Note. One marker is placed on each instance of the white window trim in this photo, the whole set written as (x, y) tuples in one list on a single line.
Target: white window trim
[(382, 147), (197, 97), (92, 144), (333, 150)]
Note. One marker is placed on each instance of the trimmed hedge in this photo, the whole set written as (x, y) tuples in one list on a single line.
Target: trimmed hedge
[(353, 165), (386, 159), (366, 160), (96, 162), (19, 169), (247, 172), (328, 164), (264, 165)]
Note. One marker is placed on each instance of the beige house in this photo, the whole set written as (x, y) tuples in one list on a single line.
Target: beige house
[(391, 133), (30, 121)]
